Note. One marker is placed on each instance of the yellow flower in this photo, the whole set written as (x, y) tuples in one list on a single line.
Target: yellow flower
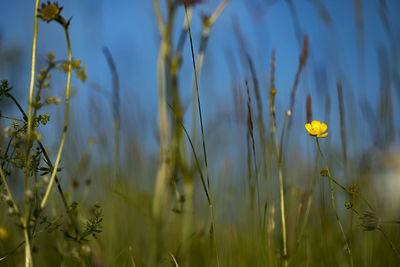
[(3, 233), (317, 129), (49, 11)]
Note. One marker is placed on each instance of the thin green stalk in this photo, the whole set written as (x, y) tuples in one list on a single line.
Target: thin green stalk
[(249, 170), (206, 191), (39, 89), (198, 99), (11, 118), (202, 136), (274, 136), (28, 256), (159, 17), (271, 100), (161, 197), (281, 190), (334, 205), (348, 191), (389, 241), (260, 119), (178, 147), (14, 250), (306, 216), (205, 34), (287, 115), (33, 66), (196, 159), (115, 109), (282, 201), (250, 134), (67, 93)]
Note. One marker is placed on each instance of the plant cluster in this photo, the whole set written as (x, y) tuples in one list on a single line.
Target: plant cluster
[(24, 155)]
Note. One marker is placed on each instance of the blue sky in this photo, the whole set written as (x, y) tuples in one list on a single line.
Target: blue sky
[(128, 29)]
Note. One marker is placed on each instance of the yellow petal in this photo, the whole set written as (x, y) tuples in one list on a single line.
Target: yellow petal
[(324, 127), (308, 127), (315, 124), (322, 135)]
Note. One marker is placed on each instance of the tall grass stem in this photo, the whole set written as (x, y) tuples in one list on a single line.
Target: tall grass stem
[(64, 133)]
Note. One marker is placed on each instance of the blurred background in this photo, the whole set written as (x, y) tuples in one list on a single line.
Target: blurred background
[(351, 41), (354, 45)]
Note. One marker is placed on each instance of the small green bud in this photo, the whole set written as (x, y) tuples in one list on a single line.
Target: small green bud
[(40, 78), (324, 172), (354, 188), (76, 64), (16, 125), (348, 204), (81, 74), (46, 85), (57, 100), (51, 56)]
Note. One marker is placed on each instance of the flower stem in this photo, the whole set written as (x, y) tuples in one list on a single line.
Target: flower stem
[(331, 181)]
